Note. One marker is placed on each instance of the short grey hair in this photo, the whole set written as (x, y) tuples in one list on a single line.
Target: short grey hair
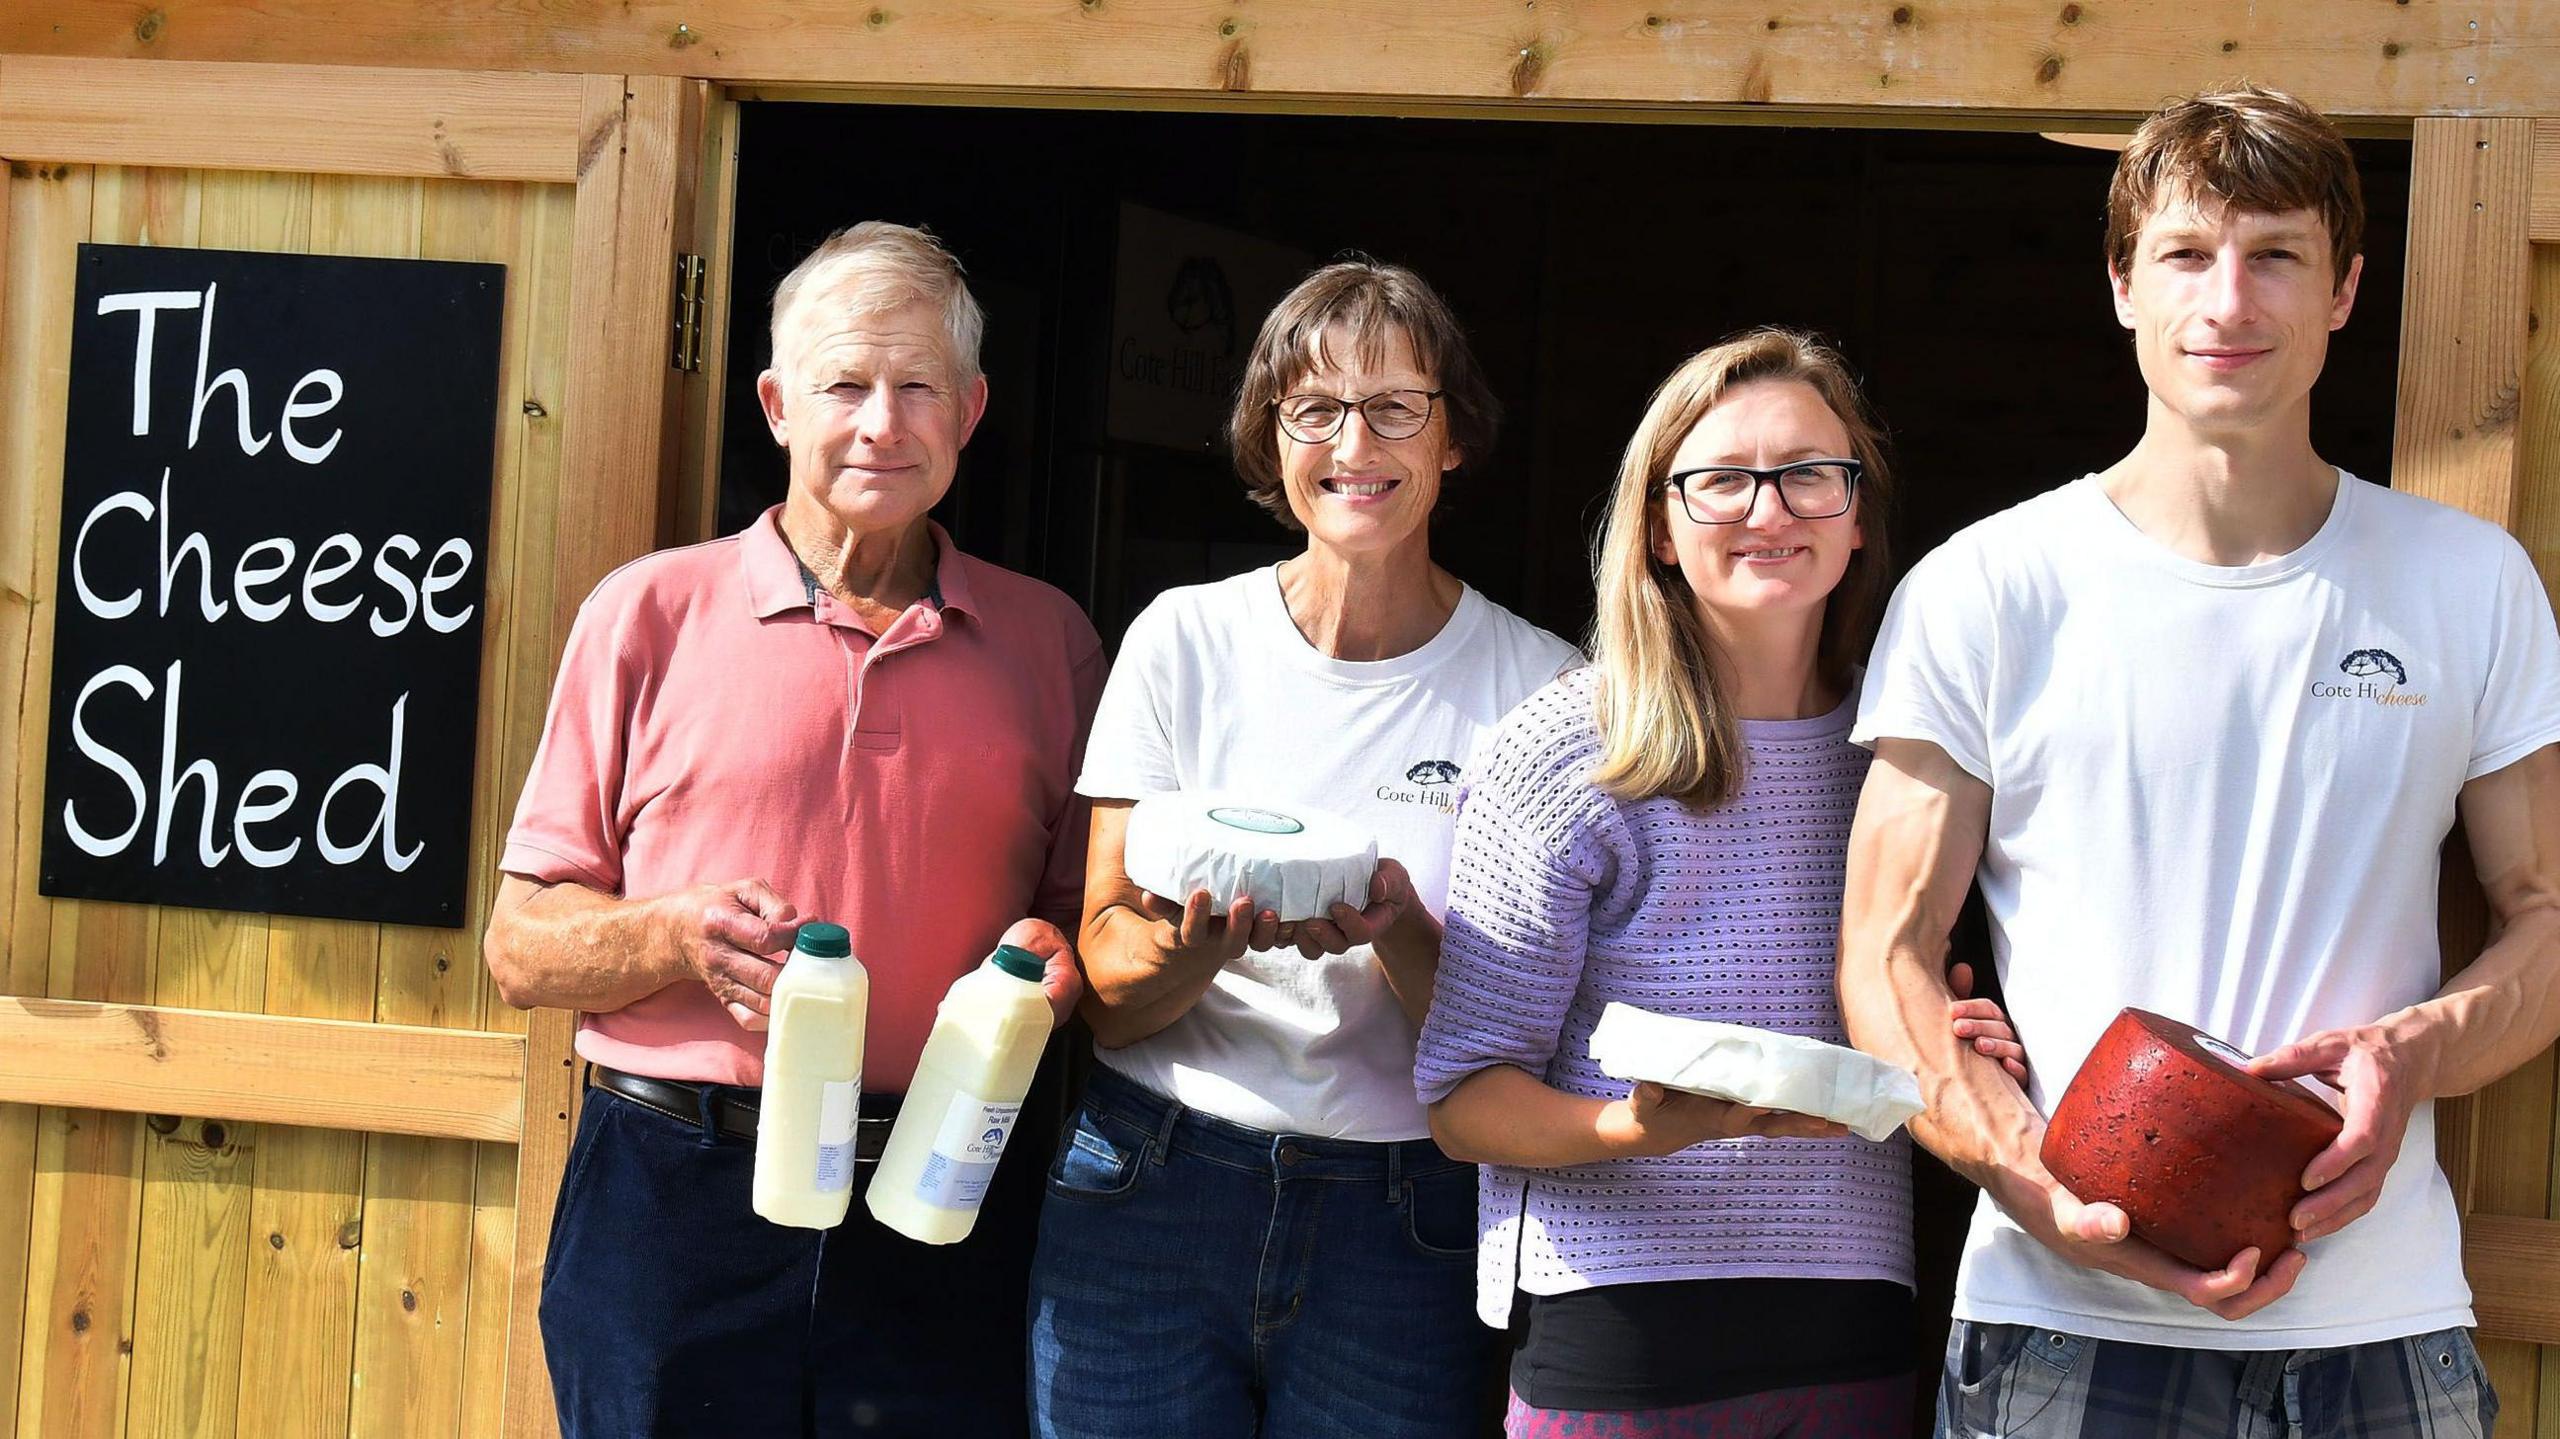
[(877, 266)]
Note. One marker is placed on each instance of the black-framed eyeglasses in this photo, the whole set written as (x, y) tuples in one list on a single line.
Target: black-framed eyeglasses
[(1389, 414), (1809, 489)]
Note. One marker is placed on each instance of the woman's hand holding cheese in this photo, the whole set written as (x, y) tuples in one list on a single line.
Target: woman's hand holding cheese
[(1194, 929), (1394, 917), (1655, 1120)]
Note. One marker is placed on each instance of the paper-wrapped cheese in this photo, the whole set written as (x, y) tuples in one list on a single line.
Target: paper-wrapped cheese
[(2204, 1158), (1294, 860), (1759, 1067)]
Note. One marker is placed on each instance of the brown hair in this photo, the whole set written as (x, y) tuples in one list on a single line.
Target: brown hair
[(1372, 303), (1666, 725), (2253, 148)]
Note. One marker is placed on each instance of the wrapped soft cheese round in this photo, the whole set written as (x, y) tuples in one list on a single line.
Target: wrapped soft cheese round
[(1759, 1067), (2204, 1158), (1295, 861)]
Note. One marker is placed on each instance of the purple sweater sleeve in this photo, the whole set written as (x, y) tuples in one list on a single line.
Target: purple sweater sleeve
[(1534, 853)]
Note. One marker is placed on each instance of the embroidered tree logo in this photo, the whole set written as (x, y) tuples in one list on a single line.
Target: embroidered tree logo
[(2376, 662), (1433, 771)]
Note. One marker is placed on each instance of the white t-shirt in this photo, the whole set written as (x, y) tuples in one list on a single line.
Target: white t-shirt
[(2218, 793), (1214, 688)]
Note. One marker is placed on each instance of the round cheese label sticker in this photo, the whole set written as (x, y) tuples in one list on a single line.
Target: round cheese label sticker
[(2217, 1048), (1260, 821)]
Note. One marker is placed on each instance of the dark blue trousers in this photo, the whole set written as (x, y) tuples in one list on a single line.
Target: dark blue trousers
[(670, 1309)]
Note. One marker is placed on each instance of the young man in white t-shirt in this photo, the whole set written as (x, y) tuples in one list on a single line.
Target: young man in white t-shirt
[(2199, 724)]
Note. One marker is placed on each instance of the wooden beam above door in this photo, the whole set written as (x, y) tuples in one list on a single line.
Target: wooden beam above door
[(2051, 57), (293, 118)]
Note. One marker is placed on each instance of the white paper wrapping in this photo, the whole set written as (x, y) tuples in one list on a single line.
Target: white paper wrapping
[(1758, 1067), (1295, 861)]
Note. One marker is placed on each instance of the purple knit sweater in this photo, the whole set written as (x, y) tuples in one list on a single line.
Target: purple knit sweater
[(1562, 899)]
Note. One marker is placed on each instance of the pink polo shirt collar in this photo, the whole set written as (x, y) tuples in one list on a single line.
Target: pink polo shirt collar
[(774, 585)]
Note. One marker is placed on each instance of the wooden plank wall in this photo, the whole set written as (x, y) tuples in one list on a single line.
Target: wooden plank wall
[(169, 1276)]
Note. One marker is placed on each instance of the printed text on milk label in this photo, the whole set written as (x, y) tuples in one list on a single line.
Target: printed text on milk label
[(965, 1153), (836, 1112)]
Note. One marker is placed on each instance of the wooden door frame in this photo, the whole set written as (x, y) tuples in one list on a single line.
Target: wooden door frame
[(2482, 193), (632, 146)]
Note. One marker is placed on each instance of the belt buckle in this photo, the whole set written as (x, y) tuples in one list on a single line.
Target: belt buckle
[(871, 1137)]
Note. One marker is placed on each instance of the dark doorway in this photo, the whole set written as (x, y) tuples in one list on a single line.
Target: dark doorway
[(1959, 270)]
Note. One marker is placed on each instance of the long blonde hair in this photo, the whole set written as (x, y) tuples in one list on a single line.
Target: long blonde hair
[(1666, 723)]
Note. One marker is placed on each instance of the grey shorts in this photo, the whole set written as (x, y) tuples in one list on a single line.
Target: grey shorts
[(2010, 1380)]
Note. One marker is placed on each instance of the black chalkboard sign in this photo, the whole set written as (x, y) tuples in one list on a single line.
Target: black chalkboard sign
[(266, 645)]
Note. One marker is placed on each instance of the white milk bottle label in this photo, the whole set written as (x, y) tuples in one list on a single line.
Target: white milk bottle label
[(841, 1105), (964, 1154), (961, 1105)]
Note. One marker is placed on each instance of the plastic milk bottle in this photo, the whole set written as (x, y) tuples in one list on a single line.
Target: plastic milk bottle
[(960, 1110), (812, 1082)]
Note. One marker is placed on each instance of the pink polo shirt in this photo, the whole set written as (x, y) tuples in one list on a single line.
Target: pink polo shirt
[(711, 723)]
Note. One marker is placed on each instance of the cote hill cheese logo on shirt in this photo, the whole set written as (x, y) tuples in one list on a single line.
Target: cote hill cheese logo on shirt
[(1432, 782), (2370, 669)]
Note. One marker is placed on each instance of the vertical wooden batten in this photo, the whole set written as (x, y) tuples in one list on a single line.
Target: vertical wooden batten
[(86, 1202), (2546, 182), (634, 203), (2463, 314), (21, 963), (2537, 527), (2461, 356), (694, 489), (2463, 336), (546, 260), (639, 150), (17, 617)]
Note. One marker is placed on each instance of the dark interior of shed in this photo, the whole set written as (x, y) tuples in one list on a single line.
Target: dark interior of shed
[(1125, 258)]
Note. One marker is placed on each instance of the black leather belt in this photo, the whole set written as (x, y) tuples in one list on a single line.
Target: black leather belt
[(733, 1111)]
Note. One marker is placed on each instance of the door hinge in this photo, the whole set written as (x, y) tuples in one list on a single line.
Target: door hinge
[(688, 314)]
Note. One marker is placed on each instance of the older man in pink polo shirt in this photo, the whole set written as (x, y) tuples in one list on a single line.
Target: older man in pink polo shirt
[(833, 715)]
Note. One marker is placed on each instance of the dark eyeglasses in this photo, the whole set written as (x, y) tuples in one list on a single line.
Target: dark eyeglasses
[(1808, 489), (1389, 414)]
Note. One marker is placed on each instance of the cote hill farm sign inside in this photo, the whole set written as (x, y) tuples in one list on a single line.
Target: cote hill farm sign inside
[(266, 658)]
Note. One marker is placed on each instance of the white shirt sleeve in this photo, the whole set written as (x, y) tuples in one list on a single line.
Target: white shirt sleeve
[(1131, 752), (1930, 675), (2519, 709)]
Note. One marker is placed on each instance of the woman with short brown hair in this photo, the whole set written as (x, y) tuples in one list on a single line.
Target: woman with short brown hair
[(1249, 1229)]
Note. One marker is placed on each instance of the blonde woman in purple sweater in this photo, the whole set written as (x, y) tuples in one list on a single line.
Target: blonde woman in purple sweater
[(1667, 828)]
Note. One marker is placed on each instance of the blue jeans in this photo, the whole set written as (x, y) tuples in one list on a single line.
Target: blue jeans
[(2007, 1381), (669, 1308), (1202, 1279)]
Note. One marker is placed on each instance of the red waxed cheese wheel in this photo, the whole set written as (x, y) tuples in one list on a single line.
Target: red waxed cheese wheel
[(2204, 1158)]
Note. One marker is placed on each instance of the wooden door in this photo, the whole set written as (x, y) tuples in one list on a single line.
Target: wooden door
[(2479, 428), (266, 1176)]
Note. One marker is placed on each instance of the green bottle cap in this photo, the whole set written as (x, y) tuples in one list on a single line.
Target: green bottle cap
[(821, 940), (1018, 962)]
